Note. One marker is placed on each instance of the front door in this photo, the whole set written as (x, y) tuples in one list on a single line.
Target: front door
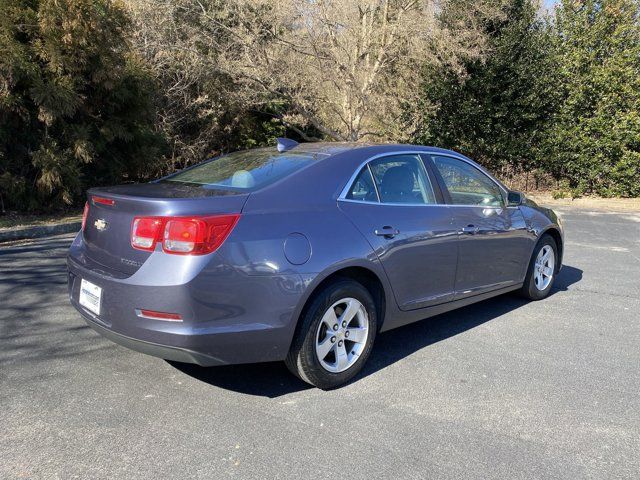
[(493, 238), (393, 204)]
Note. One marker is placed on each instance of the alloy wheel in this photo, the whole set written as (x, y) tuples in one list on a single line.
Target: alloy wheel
[(342, 335), (544, 267)]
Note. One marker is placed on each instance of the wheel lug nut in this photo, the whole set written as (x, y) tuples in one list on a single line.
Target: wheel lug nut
[(346, 334), (340, 343), (333, 339), (335, 327), (344, 324)]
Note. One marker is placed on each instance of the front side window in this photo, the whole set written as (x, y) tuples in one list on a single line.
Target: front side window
[(243, 171), (402, 179), (466, 184)]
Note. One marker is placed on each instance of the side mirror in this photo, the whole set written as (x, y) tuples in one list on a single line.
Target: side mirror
[(514, 198)]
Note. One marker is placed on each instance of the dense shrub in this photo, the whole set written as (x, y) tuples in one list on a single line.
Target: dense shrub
[(561, 95), (594, 140), (495, 109), (75, 105)]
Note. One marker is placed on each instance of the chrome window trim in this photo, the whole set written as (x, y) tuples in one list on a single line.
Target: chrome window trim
[(373, 180), (350, 200), (345, 190), (398, 204)]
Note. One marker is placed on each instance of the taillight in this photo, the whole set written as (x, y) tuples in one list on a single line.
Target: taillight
[(145, 232), (85, 214), (198, 235), (182, 235)]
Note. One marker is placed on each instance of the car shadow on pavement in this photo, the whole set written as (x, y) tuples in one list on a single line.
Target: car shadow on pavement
[(274, 380), (567, 277), (270, 379)]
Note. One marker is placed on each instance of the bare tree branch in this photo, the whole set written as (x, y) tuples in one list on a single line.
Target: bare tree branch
[(345, 68)]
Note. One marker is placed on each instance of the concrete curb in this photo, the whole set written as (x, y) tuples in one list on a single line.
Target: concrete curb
[(39, 231)]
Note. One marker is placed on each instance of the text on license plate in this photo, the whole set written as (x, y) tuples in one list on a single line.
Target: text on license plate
[(90, 296)]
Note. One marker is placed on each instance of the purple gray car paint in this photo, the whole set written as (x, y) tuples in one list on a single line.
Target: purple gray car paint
[(242, 303)]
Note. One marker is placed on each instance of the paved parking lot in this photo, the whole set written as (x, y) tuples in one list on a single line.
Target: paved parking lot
[(501, 389)]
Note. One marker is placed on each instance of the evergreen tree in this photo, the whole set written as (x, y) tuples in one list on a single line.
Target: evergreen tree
[(75, 106), (595, 139), (494, 110)]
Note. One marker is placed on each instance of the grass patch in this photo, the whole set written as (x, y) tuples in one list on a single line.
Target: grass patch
[(587, 203), (14, 220)]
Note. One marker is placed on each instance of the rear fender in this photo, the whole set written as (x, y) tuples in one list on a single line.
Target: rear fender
[(312, 282)]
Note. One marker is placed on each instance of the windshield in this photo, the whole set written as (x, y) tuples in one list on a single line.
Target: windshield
[(243, 171)]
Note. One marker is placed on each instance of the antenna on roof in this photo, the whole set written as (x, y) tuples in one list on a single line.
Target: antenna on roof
[(285, 144)]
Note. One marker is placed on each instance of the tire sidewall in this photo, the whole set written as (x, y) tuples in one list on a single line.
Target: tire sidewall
[(307, 364)]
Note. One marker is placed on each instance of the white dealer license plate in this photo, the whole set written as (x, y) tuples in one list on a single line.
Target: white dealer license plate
[(90, 295)]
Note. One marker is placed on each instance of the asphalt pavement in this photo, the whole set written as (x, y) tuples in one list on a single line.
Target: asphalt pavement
[(501, 389)]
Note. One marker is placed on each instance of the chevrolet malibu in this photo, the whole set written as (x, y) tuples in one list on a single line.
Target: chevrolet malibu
[(303, 253)]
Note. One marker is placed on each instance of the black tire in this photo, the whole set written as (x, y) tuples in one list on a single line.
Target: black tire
[(529, 289), (303, 361)]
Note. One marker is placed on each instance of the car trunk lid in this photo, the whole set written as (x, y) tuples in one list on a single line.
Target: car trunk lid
[(107, 232)]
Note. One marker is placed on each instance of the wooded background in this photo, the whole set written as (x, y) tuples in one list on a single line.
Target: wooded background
[(96, 92)]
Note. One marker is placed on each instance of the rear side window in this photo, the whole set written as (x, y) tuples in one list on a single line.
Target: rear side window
[(402, 179), (466, 184), (244, 171), (363, 188)]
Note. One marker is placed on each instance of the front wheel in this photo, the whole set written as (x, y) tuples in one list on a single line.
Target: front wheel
[(335, 335), (542, 269)]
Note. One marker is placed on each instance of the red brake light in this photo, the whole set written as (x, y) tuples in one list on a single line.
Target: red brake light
[(85, 214), (103, 201), (182, 235), (197, 235), (145, 232)]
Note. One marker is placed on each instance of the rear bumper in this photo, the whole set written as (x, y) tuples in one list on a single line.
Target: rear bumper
[(162, 351), (228, 317)]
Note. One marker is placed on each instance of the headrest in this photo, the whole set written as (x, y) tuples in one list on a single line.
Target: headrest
[(242, 179), (397, 180)]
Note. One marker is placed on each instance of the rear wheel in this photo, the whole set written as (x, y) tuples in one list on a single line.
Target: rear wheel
[(542, 269), (335, 335)]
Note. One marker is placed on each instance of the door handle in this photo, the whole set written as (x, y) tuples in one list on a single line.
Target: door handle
[(470, 229), (387, 232)]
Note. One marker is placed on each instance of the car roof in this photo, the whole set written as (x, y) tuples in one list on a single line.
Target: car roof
[(335, 148), (325, 150)]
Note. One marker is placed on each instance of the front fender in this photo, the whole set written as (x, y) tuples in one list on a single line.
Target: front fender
[(542, 220)]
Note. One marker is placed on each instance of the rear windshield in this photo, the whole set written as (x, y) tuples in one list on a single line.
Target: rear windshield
[(244, 171)]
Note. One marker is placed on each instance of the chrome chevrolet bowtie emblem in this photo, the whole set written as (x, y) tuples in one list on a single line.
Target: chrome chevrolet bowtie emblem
[(100, 224)]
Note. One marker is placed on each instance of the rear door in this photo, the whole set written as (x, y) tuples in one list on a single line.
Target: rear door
[(493, 238), (395, 203)]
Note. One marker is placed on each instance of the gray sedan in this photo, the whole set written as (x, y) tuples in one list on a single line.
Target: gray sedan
[(303, 253)]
